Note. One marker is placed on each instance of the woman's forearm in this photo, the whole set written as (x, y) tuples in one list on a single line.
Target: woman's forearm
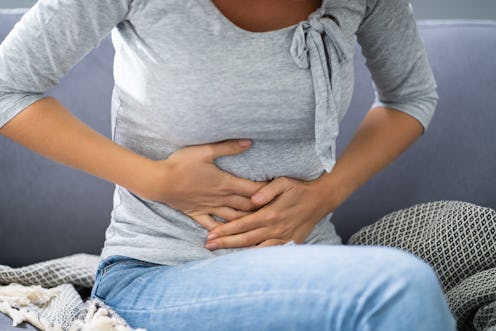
[(49, 129), (383, 135), (187, 180)]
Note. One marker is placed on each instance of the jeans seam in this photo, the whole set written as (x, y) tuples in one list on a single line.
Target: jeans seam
[(230, 298), (128, 261)]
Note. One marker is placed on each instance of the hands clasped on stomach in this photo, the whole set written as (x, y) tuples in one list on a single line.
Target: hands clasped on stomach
[(258, 214)]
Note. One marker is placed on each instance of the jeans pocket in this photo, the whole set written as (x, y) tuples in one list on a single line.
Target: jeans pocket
[(106, 266), (112, 264)]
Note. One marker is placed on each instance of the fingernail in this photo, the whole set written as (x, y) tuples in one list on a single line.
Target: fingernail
[(244, 142), (211, 246), (258, 197), (212, 236)]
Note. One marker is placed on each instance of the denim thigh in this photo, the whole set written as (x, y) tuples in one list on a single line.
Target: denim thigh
[(299, 287)]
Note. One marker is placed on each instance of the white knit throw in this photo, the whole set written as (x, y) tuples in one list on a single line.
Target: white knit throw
[(44, 295)]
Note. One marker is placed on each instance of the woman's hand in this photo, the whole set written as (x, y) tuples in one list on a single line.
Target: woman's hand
[(291, 209), (189, 181)]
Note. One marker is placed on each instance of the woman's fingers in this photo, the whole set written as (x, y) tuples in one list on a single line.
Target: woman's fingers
[(239, 202), (229, 214), (249, 238), (207, 221), (249, 222), (194, 184), (270, 191), (270, 242), (240, 186), (223, 148), (233, 184), (291, 214), (249, 230)]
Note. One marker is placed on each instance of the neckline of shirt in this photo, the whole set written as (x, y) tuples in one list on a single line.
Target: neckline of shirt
[(233, 27)]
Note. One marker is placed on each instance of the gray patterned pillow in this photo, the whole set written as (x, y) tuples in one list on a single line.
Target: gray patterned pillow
[(473, 301), (459, 240)]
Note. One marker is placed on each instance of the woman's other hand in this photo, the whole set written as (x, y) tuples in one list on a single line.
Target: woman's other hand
[(291, 209), (190, 181)]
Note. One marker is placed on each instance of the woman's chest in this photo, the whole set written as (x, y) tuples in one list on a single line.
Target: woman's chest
[(265, 15), (198, 77)]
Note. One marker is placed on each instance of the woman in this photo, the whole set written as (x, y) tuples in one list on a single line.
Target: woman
[(224, 121)]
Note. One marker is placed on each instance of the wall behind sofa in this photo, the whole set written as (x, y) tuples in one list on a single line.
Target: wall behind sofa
[(424, 9)]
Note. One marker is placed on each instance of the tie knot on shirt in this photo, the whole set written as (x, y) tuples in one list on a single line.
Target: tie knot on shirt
[(319, 44), (315, 20), (318, 23)]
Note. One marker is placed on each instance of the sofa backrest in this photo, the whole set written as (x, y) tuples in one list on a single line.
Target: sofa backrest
[(456, 157), (48, 210)]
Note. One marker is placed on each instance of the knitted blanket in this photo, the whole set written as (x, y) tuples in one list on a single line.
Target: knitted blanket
[(458, 239), (47, 295)]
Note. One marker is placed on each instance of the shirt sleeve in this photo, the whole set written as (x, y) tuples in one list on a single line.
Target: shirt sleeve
[(46, 43), (397, 60)]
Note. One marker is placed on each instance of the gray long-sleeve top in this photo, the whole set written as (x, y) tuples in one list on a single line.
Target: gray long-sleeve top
[(185, 74)]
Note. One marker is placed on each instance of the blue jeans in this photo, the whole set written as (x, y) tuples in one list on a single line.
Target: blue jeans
[(299, 287)]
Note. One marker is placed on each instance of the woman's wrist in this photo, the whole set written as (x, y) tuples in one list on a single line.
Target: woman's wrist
[(332, 190), (150, 182), (382, 137)]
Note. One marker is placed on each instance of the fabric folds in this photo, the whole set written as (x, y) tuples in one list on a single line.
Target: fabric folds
[(309, 50)]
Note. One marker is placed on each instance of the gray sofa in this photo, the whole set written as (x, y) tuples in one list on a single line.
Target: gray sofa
[(48, 210)]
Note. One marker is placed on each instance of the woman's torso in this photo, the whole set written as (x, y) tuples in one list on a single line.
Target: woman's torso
[(186, 74)]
